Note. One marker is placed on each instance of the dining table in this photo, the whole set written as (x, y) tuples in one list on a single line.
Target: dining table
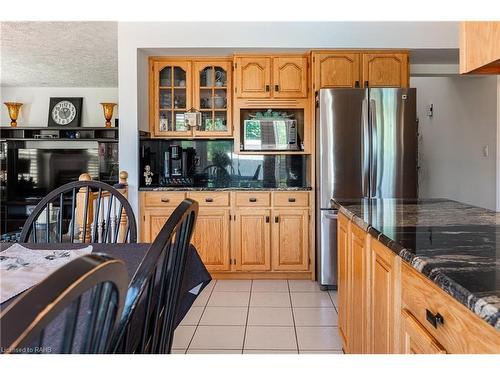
[(195, 279)]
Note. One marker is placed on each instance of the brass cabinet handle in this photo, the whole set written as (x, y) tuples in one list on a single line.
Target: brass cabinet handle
[(276, 87), (291, 199), (252, 199), (434, 319), (165, 200), (276, 219), (356, 84), (267, 88), (209, 200), (267, 219)]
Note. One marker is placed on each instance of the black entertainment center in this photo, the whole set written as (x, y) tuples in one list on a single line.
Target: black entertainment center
[(36, 160)]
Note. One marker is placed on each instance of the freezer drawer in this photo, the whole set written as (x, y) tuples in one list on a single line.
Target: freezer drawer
[(327, 267)]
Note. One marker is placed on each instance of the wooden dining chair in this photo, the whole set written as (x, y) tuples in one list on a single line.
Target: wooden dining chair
[(154, 293), (83, 211), (74, 310)]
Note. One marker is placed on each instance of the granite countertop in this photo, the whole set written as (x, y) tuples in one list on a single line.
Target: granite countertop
[(182, 188), (455, 245)]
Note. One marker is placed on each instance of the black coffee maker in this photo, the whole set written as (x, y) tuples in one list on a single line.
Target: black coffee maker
[(178, 166)]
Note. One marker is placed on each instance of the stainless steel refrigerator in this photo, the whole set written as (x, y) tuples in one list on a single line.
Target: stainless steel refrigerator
[(366, 147)]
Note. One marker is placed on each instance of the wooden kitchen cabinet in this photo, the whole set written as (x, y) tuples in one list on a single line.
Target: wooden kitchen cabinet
[(253, 77), (480, 47), (252, 237), (177, 86), (212, 97), (170, 97), (385, 70), (154, 219), (360, 68), (211, 238), (336, 69), (290, 77), (415, 338), (290, 240), (343, 280), (384, 298), (357, 320), (236, 234), (264, 76), (386, 306)]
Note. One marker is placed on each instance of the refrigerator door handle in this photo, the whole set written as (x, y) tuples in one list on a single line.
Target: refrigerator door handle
[(373, 169), (365, 151)]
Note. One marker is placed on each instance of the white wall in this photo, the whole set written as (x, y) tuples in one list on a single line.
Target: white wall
[(35, 110), (277, 35), (451, 142)]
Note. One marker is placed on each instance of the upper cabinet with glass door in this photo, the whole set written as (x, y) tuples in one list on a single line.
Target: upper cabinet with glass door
[(171, 98), (179, 86), (212, 97)]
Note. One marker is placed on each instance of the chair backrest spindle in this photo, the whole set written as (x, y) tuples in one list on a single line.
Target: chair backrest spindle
[(96, 207)]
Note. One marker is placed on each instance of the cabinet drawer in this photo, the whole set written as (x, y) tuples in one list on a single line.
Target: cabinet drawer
[(253, 199), (291, 199), (163, 199), (461, 331), (210, 198)]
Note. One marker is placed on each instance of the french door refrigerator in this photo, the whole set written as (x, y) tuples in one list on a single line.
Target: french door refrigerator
[(366, 147)]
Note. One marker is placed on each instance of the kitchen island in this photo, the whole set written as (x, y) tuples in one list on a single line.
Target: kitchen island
[(428, 267)]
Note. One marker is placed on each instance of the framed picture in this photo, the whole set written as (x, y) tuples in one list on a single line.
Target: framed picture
[(65, 112)]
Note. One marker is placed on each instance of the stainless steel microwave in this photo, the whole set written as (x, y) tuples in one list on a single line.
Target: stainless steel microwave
[(270, 134)]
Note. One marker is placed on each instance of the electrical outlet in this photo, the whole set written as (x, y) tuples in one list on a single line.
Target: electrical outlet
[(486, 151), (430, 110)]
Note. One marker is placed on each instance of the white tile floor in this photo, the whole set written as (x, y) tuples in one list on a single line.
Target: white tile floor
[(260, 316)]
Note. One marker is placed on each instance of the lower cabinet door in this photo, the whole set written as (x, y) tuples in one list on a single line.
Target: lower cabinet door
[(290, 240), (153, 222), (358, 316), (415, 338), (252, 237), (385, 304), (211, 238), (343, 280)]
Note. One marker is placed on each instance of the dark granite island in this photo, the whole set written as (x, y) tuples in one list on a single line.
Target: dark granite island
[(455, 245)]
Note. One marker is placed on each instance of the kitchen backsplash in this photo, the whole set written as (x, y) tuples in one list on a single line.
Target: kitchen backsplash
[(216, 165)]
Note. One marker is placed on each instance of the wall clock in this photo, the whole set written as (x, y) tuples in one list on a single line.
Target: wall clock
[(65, 112)]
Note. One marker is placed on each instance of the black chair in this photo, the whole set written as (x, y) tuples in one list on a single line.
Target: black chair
[(74, 310), (148, 320), (82, 211)]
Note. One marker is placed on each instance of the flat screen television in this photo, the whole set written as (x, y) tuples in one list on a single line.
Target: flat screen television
[(31, 169), (36, 168)]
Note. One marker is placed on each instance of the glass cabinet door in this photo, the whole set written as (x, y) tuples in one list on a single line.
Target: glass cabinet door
[(173, 98), (212, 93)]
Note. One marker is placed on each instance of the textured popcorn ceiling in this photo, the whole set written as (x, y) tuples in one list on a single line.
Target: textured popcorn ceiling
[(59, 54)]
